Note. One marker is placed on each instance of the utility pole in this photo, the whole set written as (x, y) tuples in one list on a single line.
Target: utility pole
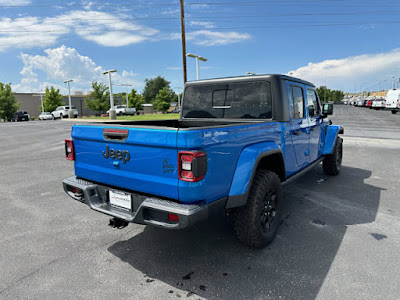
[(183, 41), (394, 82)]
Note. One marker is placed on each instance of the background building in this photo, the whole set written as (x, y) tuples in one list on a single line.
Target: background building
[(32, 104)]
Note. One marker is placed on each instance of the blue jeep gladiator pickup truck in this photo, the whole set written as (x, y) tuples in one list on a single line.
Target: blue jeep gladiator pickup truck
[(236, 142)]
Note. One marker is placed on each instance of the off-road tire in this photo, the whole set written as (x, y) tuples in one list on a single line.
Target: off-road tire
[(248, 220), (333, 162)]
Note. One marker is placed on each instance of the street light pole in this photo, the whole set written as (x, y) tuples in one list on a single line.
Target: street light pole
[(113, 115), (179, 96), (70, 111), (197, 57), (41, 99), (126, 86)]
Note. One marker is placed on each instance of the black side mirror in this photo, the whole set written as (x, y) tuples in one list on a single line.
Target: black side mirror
[(327, 109)]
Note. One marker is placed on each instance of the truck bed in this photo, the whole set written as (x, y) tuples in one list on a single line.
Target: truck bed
[(182, 123)]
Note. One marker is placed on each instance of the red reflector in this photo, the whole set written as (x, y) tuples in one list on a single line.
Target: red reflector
[(75, 190), (69, 150), (173, 217), (187, 174)]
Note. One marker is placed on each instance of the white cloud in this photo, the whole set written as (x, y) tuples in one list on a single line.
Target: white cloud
[(63, 63), (216, 38), (206, 24), (354, 72), (102, 28), (15, 2)]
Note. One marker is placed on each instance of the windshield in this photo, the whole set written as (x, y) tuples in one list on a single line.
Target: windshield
[(244, 100)]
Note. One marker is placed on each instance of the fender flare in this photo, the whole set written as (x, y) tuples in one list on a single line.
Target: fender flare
[(246, 168), (331, 135)]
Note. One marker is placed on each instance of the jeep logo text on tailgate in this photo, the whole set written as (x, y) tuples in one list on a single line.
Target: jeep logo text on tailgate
[(120, 155)]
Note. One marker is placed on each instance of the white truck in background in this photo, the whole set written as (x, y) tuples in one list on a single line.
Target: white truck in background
[(123, 110), (393, 100)]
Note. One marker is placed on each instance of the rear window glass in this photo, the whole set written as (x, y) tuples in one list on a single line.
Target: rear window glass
[(245, 100)]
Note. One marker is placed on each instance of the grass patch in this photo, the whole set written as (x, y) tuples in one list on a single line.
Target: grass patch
[(139, 117)]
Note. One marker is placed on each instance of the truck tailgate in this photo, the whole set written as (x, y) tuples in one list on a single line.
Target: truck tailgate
[(138, 159)]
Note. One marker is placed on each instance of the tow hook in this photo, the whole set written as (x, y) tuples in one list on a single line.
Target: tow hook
[(118, 223)]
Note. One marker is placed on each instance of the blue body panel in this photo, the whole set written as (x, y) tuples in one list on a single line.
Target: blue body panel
[(332, 132), (152, 167), (223, 147), (246, 164)]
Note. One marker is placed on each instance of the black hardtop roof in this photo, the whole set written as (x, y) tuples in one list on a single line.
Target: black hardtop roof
[(251, 77)]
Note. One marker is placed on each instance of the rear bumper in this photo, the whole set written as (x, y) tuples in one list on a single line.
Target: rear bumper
[(146, 210)]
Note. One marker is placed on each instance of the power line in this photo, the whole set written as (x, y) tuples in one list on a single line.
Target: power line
[(212, 18), (227, 28)]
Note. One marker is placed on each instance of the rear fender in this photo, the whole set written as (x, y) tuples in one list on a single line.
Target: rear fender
[(249, 159), (332, 132)]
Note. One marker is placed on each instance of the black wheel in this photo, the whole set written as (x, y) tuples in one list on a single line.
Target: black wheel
[(333, 162), (257, 222), (394, 112)]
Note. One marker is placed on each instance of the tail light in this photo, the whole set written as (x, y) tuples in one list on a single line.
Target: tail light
[(69, 150), (192, 165)]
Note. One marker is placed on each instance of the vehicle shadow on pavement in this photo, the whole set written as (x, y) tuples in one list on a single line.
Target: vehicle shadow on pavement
[(208, 260)]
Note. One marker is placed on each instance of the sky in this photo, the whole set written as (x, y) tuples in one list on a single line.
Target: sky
[(351, 45)]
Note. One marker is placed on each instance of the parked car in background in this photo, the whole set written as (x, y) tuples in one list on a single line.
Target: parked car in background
[(62, 112), (45, 116), (130, 111), (361, 103), (20, 115), (176, 110), (393, 100), (370, 100), (379, 104), (121, 110)]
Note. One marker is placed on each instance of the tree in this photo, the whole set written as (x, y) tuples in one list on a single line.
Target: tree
[(135, 100), (323, 93), (326, 94), (163, 100), (52, 99), (153, 86), (97, 100), (8, 104)]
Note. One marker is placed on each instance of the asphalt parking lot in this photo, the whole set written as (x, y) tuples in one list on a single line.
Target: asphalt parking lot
[(340, 238)]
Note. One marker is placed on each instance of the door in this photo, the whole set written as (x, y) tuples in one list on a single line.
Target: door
[(300, 128), (315, 121)]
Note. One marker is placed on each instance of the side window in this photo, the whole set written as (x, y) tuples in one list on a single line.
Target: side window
[(297, 102), (312, 103)]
